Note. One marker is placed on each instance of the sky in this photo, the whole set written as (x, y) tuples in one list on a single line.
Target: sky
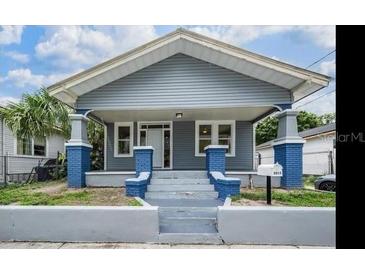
[(38, 56)]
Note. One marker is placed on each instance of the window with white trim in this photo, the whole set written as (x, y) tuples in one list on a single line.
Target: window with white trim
[(123, 139), (214, 133), (31, 146)]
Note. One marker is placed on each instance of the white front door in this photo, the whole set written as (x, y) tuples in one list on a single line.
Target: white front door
[(154, 139)]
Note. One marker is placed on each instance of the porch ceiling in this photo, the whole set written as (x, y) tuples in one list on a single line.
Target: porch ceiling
[(238, 113)]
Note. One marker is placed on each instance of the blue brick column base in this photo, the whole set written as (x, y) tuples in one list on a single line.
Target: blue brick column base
[(143, 160), (290, 156), (228, 188), (78, 162), (215, 160), (136, 189)]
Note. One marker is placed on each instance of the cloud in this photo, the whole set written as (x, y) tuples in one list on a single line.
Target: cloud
[(322, 36), (328, 68), (17, 56), (80, 46), (325, 104), (25, 78), (238, 34), (4, 100), (10, 34)]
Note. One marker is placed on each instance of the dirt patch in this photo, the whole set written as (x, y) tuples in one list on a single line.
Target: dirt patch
[(52, 189), (59, 192), (109, 196)]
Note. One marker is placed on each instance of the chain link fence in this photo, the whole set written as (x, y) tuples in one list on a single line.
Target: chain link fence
[(23, 169)]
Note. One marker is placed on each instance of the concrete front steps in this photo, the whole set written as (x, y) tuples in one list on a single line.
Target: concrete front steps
[(180, 174), (189, 225), (188, 219), (181, 195), (190, 238), (187, 207), (169, 181), (180, 185)]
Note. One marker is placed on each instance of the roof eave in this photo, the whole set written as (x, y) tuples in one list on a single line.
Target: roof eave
[(302, 90)]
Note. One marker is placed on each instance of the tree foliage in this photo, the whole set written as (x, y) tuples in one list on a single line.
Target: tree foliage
[(267, 129), (95, 134), (41, 115), (37, 115)]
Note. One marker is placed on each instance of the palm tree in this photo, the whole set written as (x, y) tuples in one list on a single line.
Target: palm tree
[(40, 115), (37, 115)]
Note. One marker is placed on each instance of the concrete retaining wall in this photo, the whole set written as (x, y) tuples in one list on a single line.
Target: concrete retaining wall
[(117, 178), (108, 179), (258, 181), (79, 223), (277, 225)]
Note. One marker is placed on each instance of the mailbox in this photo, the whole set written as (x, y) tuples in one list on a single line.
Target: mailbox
[(274, 170), (269, 171)]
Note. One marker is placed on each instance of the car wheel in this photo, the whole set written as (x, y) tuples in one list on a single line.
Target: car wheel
[(328, 186)]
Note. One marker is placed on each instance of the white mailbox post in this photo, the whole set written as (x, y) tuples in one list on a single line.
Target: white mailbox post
[(274, 170)]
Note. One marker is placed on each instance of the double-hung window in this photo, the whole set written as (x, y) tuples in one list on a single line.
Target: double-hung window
[(31, 146), (214, 133), (123, 139)]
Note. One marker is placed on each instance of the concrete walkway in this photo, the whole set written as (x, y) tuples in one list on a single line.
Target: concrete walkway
[(48, 245)]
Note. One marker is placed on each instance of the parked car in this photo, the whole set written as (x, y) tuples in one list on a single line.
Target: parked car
[(326, 182)]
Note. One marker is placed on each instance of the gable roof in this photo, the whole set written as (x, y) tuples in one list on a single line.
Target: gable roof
[(318, 130), (299, 81), (306, 133)]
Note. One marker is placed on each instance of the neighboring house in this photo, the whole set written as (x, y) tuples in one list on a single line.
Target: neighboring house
[(319, 156), (180, 93), (24, 154)]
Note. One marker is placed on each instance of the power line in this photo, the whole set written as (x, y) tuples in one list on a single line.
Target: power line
[(319, 60), (315, 99)]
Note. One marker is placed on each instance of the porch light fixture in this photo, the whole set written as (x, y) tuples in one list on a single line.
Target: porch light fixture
[(179, 115)]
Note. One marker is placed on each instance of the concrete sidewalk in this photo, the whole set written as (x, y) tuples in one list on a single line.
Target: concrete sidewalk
[(49, 245)]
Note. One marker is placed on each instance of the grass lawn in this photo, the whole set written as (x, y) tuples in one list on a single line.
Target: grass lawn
[(281, 197), (57, 193)]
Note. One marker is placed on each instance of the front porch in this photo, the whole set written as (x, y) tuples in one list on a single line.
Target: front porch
[(179, 136)]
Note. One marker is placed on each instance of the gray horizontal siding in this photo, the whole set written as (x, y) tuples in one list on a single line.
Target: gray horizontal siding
[(184, 147), (183, 81)]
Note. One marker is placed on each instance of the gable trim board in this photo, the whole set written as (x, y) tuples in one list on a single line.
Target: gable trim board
[(300, 82)]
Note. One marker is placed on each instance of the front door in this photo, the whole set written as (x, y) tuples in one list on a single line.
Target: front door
[(159, 136), (154, 138)]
